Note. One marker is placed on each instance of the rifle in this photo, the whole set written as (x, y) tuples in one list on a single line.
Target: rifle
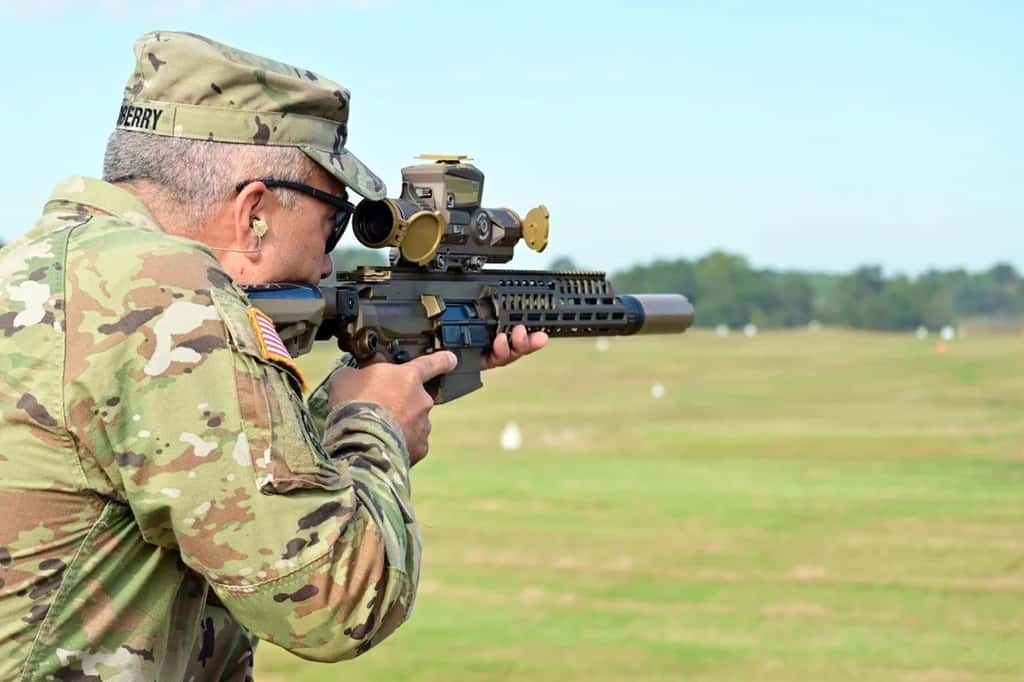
[(436, 295)]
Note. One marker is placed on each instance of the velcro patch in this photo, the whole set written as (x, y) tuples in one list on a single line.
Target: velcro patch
[(272, 348)]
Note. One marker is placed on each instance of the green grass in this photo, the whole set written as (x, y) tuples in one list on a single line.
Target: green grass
[(798, 506)]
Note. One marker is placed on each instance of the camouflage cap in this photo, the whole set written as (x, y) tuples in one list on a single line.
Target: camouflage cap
[(189, 86)]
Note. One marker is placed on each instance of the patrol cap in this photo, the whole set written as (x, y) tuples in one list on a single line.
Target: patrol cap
[(189, 86)]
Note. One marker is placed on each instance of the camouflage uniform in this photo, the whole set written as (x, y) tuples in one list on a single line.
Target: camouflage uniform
[(167, 498)]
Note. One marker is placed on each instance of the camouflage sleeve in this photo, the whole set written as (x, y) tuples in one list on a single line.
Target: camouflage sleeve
[(180, 414), (319, 401)]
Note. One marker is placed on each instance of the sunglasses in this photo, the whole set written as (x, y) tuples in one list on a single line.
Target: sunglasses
[(341, 216)]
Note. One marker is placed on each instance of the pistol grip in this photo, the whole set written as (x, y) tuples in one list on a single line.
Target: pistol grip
[(465, 378)]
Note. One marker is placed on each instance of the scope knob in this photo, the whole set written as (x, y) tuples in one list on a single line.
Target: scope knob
[(535, 228), (482, 227)]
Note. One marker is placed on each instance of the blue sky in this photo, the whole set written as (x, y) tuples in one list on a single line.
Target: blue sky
[(815, 135)]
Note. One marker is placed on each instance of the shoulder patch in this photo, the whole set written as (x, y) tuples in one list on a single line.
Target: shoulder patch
[(272, 348)]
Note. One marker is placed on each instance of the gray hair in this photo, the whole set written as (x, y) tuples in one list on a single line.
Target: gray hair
[(195, 175)]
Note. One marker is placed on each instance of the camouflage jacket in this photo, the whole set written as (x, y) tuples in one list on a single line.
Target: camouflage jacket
[(166, 497)]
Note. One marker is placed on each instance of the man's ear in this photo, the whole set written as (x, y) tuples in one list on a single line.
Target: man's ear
[(246, 210)]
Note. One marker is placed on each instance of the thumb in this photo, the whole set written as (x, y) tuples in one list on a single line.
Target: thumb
[(434, 364)]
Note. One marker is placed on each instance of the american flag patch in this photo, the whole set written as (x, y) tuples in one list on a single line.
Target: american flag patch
[(271, 346)]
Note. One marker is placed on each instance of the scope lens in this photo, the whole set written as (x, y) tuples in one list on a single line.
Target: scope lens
[(372, 223)]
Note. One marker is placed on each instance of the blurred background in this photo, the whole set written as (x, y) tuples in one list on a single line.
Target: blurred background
[(820, 482)]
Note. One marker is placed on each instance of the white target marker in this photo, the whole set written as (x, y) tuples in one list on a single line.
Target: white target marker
[(511, 437)]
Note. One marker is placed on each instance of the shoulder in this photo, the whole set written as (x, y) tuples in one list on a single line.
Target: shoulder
[(136, 274), (123, 253), (139, 295)]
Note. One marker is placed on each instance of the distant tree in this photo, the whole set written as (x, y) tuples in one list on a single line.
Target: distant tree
[(934, 293), (1003, 274), (563, 263), (728, 291), (678, 276), (855, 292), (896, 308), (981, 295), (796, 298)]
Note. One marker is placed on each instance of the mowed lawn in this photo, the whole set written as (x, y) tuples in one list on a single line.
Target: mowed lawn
[(797, 506)]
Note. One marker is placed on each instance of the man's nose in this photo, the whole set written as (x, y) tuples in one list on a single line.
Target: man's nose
[(327, 266)]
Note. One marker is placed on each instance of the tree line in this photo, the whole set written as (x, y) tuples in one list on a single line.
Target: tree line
[(726, 289)]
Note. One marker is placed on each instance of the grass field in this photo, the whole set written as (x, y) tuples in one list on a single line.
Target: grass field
[(798, 506)]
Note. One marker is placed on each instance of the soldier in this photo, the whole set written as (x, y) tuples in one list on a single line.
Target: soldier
[(167, 498)]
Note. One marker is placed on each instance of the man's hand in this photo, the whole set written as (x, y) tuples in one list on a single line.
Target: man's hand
[(522, 344), (398, 389)]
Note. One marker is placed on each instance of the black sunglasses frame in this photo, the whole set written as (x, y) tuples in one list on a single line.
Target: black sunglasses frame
[(344, 207)]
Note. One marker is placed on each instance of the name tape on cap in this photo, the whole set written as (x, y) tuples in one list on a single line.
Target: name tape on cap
[(144, 118)]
